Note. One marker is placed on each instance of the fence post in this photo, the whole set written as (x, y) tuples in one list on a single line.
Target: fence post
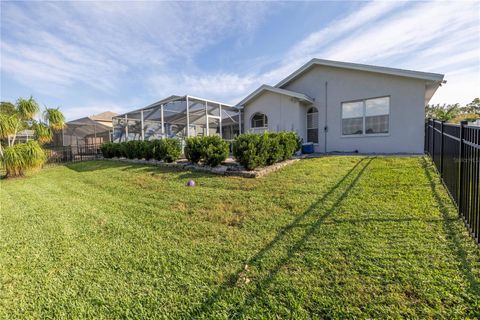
[(441, 151), (433, 141), (460, 167), (427, 147)]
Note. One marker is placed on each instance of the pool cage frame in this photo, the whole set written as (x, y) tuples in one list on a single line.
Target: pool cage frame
[(178, 117)]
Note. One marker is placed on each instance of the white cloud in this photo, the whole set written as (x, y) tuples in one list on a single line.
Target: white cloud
[(93, 107), (97, 43), (438, 37), (367, 15), (225, 87)]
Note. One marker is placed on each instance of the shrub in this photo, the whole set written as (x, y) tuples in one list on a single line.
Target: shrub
[(21, 157), (253, 150), (167, 149), (291, 142), (212, 150), (171, 149), (194, 149), (117, 149), (147, 150), (215, 150), (248, 149), (156, 150), (132, 149), (108, 150), (275, 149)]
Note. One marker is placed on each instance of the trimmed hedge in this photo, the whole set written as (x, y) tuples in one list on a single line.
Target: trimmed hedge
[(167, 150), (194, 149), (249, 150), (215, 150), (107, 150), (212, 150), (257, 150), (170, 149)]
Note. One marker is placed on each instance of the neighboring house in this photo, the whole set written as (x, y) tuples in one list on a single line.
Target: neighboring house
[(346, 107), (22, 136), (92, 130)]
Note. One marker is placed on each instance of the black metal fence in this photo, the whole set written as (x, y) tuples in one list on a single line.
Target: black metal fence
[(73, 153), (455, 151)]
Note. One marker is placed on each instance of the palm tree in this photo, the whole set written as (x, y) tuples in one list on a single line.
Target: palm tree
[(18, 157)]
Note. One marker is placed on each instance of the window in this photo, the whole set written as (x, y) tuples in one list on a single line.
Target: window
[(370, 116), (259, 120), (312, 125)]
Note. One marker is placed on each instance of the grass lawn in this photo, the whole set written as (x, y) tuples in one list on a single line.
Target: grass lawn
[(334, 237)]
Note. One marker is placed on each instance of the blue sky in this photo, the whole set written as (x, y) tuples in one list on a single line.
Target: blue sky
[(89, 57)]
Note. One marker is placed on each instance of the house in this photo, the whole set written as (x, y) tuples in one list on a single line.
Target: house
[(92, 130), (346, 107)]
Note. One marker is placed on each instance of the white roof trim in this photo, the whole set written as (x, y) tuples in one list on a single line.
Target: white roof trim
[(173, 98), (436, 77), (263, 88)]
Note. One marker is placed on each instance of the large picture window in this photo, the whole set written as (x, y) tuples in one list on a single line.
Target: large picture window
[(364, 117), (259, 120), (312, 125)]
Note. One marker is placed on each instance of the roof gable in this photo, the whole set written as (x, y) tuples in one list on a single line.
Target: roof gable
[(435, 77), (267, 88), (104, 116)]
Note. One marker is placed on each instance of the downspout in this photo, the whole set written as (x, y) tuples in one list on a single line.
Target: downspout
[(326, 115)]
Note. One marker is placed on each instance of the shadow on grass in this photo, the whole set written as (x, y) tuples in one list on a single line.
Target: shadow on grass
[(148, 168), (456, 243), (279, 240)]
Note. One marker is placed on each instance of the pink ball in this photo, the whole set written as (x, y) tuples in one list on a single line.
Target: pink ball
[(191, 183)]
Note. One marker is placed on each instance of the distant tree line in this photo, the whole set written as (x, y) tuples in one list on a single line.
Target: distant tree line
[(454, 113)]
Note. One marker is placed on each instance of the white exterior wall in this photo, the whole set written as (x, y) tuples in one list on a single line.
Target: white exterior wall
[(407, 112), (283, 112)]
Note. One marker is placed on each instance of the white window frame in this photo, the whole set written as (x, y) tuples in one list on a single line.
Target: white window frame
[(364, 134), (265, 123), (318, 125)]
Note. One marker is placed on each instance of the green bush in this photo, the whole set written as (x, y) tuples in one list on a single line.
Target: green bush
[(108, 150), (215, 150), (168, 149), (21, 157), (147, 150), (133, 149), (130, 149), (291, 143), (275, 149), (194, 149), (248, 149), (117, 149), (156, 150), (212, 150), (256, 150), (171, 149)]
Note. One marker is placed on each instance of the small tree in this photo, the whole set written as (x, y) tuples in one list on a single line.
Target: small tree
[(473, 107), (18, 157), (442, 112)]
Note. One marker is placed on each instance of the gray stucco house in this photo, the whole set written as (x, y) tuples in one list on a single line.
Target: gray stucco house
[(346, 107)]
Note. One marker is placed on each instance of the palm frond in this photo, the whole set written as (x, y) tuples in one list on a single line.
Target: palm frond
[(7, 108), (43, 133), (27, 108), (21, 157), (54, 118), (10, 124), (34, 155)]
